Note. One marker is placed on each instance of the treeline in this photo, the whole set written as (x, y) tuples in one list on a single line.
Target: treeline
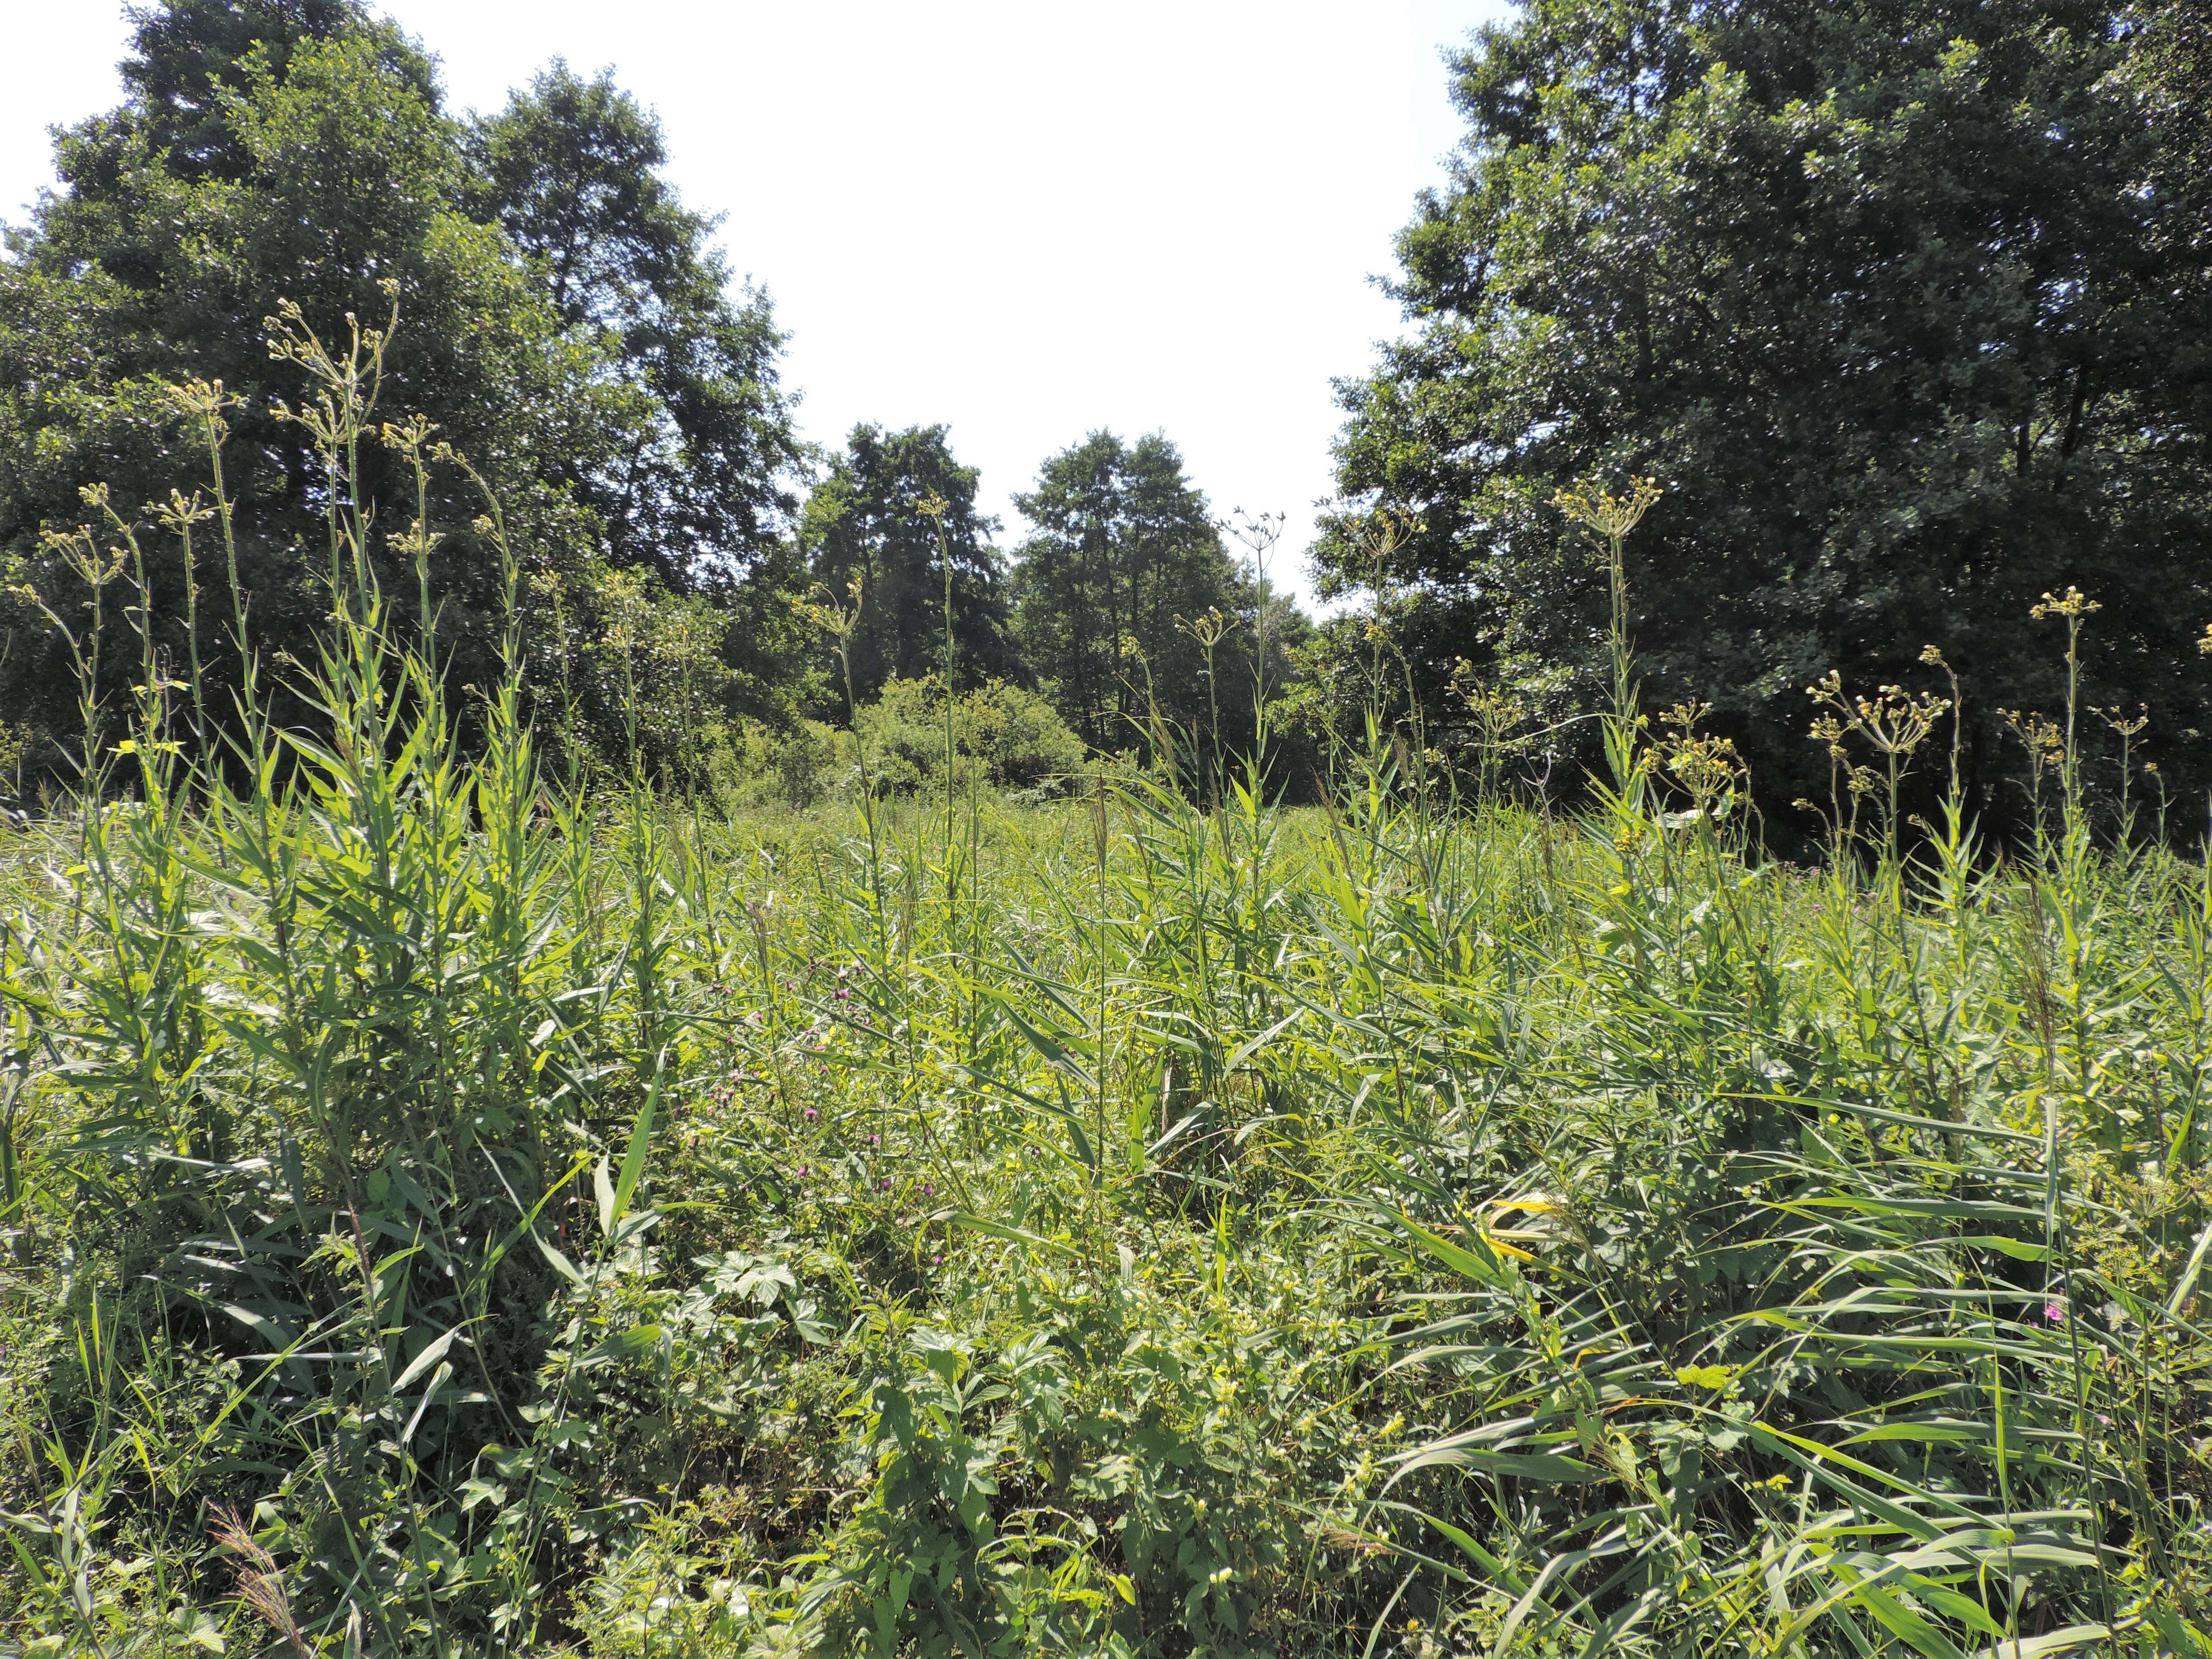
[(572, 337), (1906, 304)]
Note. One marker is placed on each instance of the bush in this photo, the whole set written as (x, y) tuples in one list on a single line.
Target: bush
[(1002, 737), (799, 766)]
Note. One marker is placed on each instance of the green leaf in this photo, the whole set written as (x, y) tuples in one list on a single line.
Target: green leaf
[(1455, 1257), (624, 1344), (976, 1223), (2066, 1640), (560, 1263), (1456, 1453), (437, 1381), (640, 1136), (431, 1354), (2187, 1282), (1902, 1622), (477, 1490), (267, 1330)]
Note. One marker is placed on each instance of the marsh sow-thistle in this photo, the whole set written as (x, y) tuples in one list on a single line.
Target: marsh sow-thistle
[(1707, 767), (1498, 715), (1611, 517), (2073, 607), (1893, 722)]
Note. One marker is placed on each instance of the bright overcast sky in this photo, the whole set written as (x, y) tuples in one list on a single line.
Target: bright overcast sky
[(1026, 220)]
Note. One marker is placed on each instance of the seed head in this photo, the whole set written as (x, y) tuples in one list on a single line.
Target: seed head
[(2073, 605), (2126, 725), (260, 1582), (1612, 516)]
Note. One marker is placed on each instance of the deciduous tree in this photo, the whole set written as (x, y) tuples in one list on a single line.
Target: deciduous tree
[(273, 151), (698, 486), (1122, 577), (875, 519), (1889, 294)]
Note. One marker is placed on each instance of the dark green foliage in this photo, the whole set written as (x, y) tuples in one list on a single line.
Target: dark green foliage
[(274, 153), (187, 53), (696, 489), (864, 523), (141, 274), (1125, 561), (1896, 299)]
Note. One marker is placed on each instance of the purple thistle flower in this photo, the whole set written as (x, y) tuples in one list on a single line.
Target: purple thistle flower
[(928, 1191), (810, 1114)]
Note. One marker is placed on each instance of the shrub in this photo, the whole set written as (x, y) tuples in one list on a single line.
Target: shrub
[(800, 766), (1002, 737)]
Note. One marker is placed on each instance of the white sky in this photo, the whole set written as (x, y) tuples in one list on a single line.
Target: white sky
[(1026, 218)]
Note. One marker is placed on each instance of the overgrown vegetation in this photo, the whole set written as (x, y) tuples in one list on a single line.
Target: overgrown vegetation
[(455, 1207), (1908, 300), (568, 324), (571, 325)]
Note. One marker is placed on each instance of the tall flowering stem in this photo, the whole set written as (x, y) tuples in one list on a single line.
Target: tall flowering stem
[(1610, 518)]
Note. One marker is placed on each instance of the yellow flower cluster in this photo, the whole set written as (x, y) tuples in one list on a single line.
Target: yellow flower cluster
[(1612, 516)]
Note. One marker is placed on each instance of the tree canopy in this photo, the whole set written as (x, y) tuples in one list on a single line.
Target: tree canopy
[(186, 58), (274, 151), (1893, 296), (875, 519), (568, 325), (1115, 586), (315, 175), (698, 486)]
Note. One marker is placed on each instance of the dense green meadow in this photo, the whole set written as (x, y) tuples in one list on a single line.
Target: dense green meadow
[(459, 1203)]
